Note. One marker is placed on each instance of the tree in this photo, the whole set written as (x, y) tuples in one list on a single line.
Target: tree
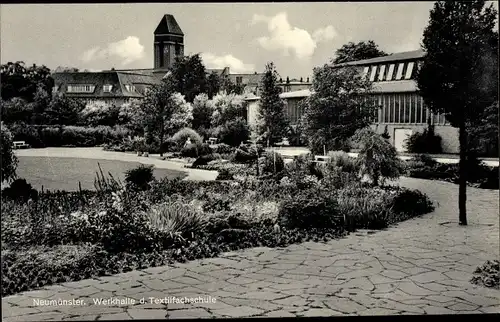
[(337, 108), (21, 81), (214, 84), (227, 107), (132, 116), (203, 109), (361, 50), (100, 113), (164, 111), (377, 158), (484, 137), (459, 74), (189, 76), (17, 110), (9, 159), (274, 123), (62, 110)]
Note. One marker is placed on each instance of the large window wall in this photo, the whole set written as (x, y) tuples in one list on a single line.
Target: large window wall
[(405, 108)]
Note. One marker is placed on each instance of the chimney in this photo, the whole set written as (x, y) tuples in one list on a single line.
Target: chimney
[(287, 80), (308, 79), (301, 80)]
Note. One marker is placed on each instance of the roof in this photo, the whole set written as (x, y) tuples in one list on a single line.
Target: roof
[(401, 86), (99, 79), (408, 55), (295, 94), (251, 78), (168, 25)]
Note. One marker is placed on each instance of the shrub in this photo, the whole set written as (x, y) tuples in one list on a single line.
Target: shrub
[(308, 210), (273, 163), (386, 134), (139, 177), (233, 132), (424, 142), (8, 158), (186, 133), (205, 159), (223, 148), (377, 157), (411, 202), (29, 134), (194, 150), (225, 174), (20, 190)]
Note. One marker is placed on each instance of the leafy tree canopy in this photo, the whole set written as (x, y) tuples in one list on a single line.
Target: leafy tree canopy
[(357, 51)]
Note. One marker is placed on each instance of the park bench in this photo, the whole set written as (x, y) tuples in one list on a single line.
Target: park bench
[(212, 140), (20, 145), (321, 158), (284, 142)]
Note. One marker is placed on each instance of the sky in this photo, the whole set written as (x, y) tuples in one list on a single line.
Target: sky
[(243, 36)]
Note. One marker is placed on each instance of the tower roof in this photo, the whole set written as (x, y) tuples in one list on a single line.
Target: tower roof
[(168, 25)]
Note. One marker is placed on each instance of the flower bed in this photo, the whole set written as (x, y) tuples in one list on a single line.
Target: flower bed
[(78, 235)]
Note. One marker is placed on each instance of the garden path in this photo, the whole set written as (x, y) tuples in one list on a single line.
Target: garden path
[(99, 153), (420, 266)]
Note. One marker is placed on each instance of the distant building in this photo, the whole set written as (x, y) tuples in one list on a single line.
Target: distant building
[(112, 87), (402, 110), (294, 84), (168, 44)]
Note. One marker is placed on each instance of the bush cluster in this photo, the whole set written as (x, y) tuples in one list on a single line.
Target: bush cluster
[(78, 136), (424, 142), (478, 174)]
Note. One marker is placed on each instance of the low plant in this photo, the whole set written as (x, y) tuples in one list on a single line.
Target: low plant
[(309, 210), (9, 159), (20, 190), (139, 177), (273, 163)]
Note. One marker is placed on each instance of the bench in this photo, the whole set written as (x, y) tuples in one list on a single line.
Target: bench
[(321, 158), (212, 140), (20, 145)]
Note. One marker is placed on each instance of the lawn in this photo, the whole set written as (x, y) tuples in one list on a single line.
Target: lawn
[(65, 173)]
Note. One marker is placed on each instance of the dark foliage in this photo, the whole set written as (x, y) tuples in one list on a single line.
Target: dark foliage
[(139, 177), (424, 142), (20, 190)]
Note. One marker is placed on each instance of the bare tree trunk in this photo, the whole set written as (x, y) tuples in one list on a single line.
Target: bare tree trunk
[(462, 181)]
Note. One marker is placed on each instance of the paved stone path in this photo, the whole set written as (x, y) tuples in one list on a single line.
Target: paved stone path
[(100, 154), (421, 266)]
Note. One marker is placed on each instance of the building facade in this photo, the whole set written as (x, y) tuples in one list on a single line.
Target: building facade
[(395, 91), (111, 87)]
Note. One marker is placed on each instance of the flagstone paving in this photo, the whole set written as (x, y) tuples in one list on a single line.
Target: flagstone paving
[(420, 266)]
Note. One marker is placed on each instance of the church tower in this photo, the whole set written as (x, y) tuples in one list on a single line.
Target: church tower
[(168, 43)]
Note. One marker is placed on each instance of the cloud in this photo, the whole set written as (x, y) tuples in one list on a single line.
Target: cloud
[(289, 39), (127, 50), (324, 34), (235, 65)]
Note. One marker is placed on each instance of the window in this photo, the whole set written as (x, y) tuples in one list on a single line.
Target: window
[(130, 88), (406, 109), (81, 88), (177, 49), (365, 71), (399, 74), (381, 73), (107, 88), (239, 80), (373, 73), (409, 70), (390, 72)]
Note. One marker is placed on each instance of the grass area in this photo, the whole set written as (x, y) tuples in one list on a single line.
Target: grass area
[(65, 173)]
